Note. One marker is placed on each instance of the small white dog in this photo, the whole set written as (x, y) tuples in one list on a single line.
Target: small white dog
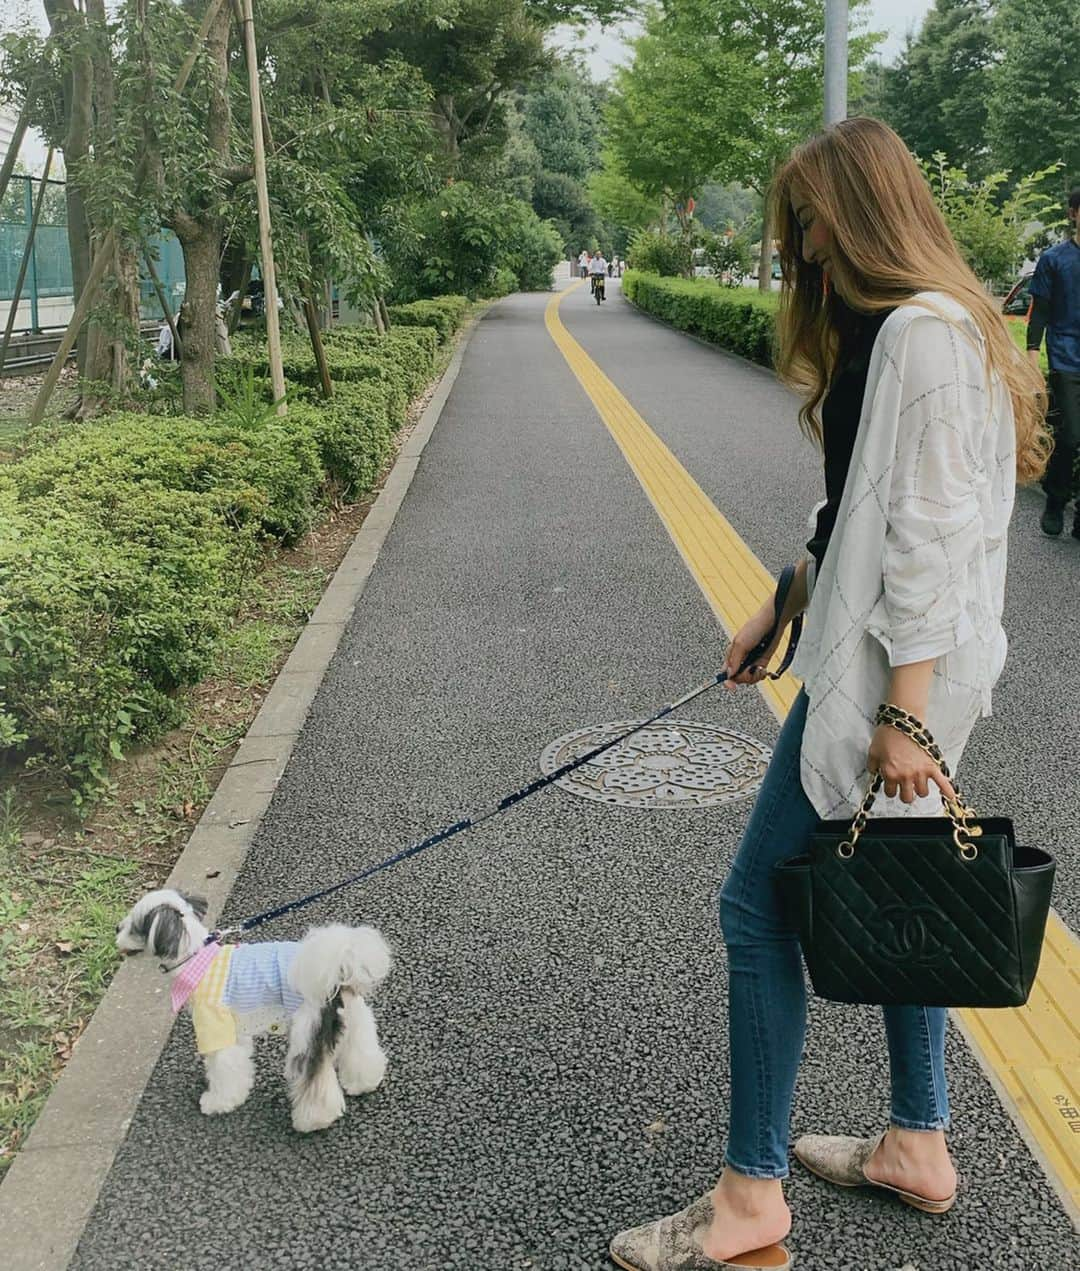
[(315, 988)]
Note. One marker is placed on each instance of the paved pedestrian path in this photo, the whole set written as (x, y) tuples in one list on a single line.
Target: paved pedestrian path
[(555, 1021)]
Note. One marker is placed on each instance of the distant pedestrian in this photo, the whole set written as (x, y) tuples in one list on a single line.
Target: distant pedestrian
[(928, 415), (611, 267), (1055, 309), (583, 264)]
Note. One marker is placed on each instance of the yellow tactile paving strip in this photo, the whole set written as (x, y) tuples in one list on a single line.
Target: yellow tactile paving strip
[(734, 581), (1033, 1052)]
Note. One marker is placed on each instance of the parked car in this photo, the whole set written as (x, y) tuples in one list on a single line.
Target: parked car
[(1018, 301)]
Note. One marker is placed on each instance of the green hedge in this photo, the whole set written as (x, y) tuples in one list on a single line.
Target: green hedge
[(735, 318), (444, 313), (124, 543)]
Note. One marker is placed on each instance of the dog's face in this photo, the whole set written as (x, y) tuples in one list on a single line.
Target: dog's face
[(166, 923)]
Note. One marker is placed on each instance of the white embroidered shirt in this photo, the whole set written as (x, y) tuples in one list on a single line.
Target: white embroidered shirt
[(915, 566)]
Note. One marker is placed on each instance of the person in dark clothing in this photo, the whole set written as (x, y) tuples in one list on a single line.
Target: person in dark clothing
[(1055, 309)]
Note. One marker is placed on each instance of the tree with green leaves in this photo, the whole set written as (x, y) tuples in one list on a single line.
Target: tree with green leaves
[(561, 118), (620, 203), (993, 226), (936, 94), (722, 89), (1030, 118)]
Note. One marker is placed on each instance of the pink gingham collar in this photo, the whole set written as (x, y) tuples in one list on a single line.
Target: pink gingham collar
[(186, 980)]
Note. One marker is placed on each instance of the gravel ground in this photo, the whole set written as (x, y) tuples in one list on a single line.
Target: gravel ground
[(555, 1021)]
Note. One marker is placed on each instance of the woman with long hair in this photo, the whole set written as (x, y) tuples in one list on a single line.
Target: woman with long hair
[(928, 415)]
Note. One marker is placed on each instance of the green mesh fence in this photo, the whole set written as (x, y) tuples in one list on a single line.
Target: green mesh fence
[(49, 273)]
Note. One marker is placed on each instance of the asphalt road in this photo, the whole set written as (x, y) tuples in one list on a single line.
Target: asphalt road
[(556, 1018)]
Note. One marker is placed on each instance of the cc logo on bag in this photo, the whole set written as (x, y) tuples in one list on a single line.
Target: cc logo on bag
[(910, 933)]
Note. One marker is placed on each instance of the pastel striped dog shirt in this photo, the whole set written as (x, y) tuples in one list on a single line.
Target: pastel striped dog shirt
[(237, 991)]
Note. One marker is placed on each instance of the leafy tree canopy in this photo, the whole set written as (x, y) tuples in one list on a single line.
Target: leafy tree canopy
[(1031, 122)]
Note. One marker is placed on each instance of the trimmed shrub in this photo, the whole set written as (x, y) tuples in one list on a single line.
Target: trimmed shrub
[(444, 313), (112, 598), (737, 319), (353, 432), (270, 477)]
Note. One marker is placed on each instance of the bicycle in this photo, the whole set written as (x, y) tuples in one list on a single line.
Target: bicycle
[(598, 287)]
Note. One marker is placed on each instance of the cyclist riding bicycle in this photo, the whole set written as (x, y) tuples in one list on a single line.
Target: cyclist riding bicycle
[(598, 276)]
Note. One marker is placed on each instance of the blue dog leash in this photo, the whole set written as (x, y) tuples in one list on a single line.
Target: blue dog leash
[(511, 800)]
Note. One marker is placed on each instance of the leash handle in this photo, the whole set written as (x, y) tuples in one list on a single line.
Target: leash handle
[(787, 577)]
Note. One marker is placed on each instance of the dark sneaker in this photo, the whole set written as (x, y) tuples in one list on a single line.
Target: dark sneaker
[(1053, 520)]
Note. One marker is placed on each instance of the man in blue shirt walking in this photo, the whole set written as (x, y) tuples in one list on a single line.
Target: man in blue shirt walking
[(1055, 291)]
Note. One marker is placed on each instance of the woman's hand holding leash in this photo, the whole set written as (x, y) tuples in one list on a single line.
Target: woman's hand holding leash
[(750, 635), (753, 632)]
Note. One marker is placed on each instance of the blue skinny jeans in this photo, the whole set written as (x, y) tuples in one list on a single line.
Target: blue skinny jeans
[(767, 993)]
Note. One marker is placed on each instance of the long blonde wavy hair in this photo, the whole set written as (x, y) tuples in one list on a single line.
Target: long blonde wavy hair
[(865, 185)]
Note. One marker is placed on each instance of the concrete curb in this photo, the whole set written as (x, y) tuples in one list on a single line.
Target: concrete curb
[(54, 1182)]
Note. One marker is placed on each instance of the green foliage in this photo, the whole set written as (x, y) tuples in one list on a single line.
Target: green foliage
[(113, 596), (353, 431), (267, 479), (560, 116), (465, 234), (532, 247), (658, 253), (728, 258), (563, 201), (243, 400), (740, 320), (935, 96), (458, 239), (992, 231), (1029, 112), (444, 313), (719, 89), (621, 203), (501, 283)]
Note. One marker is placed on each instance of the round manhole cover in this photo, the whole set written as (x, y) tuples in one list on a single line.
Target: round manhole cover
[(675, 764)]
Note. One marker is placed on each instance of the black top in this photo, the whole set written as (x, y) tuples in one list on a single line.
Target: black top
[(840, 413)]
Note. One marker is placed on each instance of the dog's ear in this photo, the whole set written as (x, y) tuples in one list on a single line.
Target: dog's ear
[(199, 905), (166, 929)]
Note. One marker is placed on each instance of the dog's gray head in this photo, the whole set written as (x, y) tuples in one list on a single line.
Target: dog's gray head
[(166, 923)]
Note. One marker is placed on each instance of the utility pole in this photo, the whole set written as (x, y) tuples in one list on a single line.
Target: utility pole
[(836, 72)]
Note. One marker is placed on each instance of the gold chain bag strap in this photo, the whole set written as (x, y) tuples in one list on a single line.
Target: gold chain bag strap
[(921, 911), (965, 822)]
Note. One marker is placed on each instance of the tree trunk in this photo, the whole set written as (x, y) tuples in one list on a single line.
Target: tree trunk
[(201, 245), (447, 125), (765, 258), (200, 233)]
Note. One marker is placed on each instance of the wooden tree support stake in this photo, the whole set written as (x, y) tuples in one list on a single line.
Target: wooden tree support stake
[(266, 249), (12, 156), (27, 253)]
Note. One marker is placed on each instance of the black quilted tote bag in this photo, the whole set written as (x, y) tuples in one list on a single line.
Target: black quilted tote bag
[(919, 911)]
